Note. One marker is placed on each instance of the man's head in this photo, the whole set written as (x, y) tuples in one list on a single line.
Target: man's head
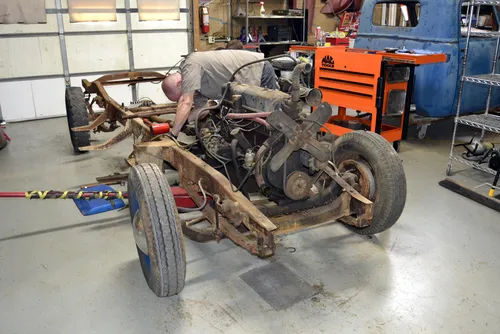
[(172, 86), (234, 45)]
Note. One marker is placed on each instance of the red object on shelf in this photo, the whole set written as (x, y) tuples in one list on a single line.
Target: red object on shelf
[(337, 41), (350, 23)]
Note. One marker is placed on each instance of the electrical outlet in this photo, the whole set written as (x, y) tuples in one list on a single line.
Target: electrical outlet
[(211, 39)]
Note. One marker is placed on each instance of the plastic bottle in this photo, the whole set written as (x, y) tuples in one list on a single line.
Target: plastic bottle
[(317, 36), (262, 9)]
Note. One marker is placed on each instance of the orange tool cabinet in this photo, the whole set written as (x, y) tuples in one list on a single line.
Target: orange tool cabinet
[(374, 83)]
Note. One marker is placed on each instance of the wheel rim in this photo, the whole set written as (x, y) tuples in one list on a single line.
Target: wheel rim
[(138, 230), (139, 235), (365, 182)]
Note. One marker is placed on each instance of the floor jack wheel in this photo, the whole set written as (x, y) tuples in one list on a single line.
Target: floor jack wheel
[(157, 230)]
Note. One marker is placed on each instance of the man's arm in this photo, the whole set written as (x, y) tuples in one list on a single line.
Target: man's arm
[(184, 107)]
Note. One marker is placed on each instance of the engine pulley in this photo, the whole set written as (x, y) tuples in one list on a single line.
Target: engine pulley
[(297, 185)]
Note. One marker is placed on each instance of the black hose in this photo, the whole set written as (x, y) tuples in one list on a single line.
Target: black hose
[(304, 68), (255, 62), (234, 155), (258, 160)]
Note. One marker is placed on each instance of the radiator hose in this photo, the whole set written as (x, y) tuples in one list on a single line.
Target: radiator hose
[(300, 68)]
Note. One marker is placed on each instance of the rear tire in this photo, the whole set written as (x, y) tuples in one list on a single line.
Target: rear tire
[(150, 198), (3, 140), (77, 114), (390, 181)]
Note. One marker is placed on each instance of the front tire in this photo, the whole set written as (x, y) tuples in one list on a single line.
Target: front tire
[(77, 114), (389, 197), (157, 230)]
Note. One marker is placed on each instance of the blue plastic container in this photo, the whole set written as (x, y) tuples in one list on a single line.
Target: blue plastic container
[(95, 206)]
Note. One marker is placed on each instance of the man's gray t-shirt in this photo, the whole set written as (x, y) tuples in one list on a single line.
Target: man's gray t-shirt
[(206, 72)]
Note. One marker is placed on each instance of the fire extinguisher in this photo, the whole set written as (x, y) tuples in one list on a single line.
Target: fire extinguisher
[(204, 19)]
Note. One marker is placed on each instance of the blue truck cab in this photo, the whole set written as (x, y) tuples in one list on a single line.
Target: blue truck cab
[(436, 26)]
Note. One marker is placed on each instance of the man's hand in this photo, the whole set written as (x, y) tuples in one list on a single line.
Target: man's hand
[(184, 107)]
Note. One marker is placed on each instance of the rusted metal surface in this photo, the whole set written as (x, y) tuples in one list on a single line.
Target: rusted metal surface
[(149, 113), (191, 169), (298, 185), (115, 112), (233, 210), (193, 231), (365, 214), (363, 179), (230, 213), (127, 132), (347, 187), (113, 178), (154, 107), (96, 123), (322, 215), (252, 241)]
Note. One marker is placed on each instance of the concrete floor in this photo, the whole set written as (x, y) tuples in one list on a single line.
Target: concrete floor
[(435, 271)]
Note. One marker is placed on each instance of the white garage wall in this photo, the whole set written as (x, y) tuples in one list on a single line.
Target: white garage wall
[(32, 80)]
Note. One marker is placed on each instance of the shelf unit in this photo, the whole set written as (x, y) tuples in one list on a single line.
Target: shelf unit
[(247, 19), (485, 121)]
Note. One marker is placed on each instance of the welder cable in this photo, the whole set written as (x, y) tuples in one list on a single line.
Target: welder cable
[(166, 74), (201, 207)]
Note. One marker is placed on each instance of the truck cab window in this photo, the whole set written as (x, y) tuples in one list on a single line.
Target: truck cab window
[(484, 19), (396, 14)]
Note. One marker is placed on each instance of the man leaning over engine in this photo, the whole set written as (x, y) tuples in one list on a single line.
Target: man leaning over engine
[(203, 74)]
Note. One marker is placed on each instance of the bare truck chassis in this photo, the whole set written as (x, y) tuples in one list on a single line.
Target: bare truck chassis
[(230, 213)]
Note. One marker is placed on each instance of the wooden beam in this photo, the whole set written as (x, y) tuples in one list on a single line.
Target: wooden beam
[(196, 24)]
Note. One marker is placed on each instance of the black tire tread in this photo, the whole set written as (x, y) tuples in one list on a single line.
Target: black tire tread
[(77, 114), (3, 140), (164, 228), (389, 177)]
